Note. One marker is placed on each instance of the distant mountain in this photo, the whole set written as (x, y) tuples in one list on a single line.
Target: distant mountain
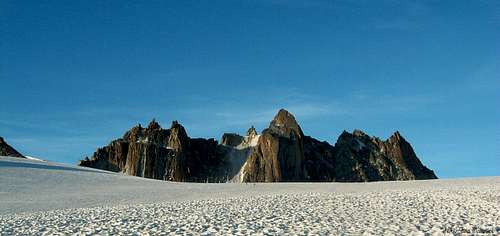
[(7, 150), (280, 153)]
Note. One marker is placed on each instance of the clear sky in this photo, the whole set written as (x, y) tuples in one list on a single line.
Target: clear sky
[(75, 75)]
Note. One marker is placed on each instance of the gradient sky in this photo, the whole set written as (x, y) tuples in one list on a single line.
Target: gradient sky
[(75, 75)]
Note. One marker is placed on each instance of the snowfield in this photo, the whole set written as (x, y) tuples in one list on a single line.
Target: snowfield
[(49, 198)]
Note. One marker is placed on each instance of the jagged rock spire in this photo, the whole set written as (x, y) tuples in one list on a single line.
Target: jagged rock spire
[(178, 137), (284, 123), (358, 133), (280, 153), (395, 137), (251, 132), (153, 125)]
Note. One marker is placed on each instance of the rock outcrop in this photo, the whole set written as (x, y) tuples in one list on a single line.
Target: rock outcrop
[(7, 150), (280, 153), (359, 157), (167, 154), (231, 139)]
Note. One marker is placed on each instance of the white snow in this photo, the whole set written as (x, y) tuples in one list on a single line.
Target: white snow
[(48, 198), (34, 158), (248, 141), (238, 155), (241, 174), (254, 141)]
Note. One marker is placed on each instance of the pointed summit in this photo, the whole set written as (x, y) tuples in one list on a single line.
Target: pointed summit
[(284, 123), (279, 153), (282, 113), (252, 132), (153, 125), (396, 137), (358, 133), (178, 138)]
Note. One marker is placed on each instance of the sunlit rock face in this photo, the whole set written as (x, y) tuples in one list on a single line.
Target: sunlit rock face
[(7, 150), (280, 153)]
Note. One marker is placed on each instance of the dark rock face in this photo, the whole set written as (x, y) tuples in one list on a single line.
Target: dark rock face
[(281, 153), (319, 158), (167, 154), (359, 157), (7, 150), (404, 157), (231, 139)]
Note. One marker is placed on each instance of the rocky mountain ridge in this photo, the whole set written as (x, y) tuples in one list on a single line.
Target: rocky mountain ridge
[(280, 153)]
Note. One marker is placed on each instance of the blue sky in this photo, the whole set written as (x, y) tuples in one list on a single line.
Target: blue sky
[(75, 75)]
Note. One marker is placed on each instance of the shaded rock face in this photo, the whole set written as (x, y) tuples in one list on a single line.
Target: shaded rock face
[(7, 150), (403, 156), (167, 154), (280, 153), (359, 157), (318, 161), (231, 139)]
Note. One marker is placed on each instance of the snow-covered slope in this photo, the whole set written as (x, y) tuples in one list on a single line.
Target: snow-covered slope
[(33, 158), (44, 197)]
